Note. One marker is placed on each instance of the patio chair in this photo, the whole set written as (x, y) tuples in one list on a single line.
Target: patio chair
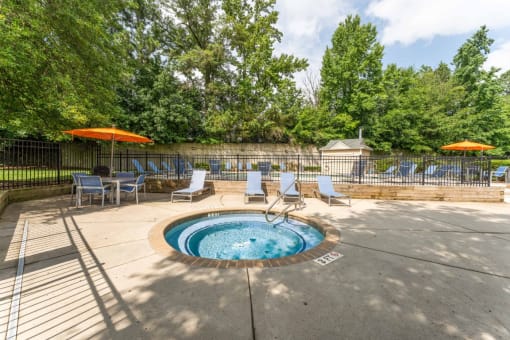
[(168, 168), (214, 167), (240, 166), (188, 167), (391, 171), (288, 190), (195, 188), (431, 169), (134, 187), (126, 174), (441, 171), (264, 168), (248, 166), (179, 166), (358, 168), (139, 167), (76, 182), (283, 167), (254, 186), (455, 171), (326, 190), (91, 185), (407, 169), (228, 166), (155, 168), (500, 173)]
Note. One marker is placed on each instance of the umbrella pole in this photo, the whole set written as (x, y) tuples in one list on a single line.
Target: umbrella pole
[(111, 158)]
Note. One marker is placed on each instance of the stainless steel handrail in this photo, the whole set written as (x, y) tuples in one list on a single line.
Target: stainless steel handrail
[(280, 197)]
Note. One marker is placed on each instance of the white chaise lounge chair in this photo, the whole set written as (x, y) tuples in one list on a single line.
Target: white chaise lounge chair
[(326, 190), (196, 187), (254, 186)]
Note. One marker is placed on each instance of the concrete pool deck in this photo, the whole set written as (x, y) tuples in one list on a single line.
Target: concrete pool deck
[(410, 270)]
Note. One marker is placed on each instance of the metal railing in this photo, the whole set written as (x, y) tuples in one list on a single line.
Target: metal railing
[(32, 163), (299, 202)]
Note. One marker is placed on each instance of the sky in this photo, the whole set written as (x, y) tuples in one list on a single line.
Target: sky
[(413, 32)]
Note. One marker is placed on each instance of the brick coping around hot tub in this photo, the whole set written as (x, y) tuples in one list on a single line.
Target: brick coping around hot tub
[(158, 243)]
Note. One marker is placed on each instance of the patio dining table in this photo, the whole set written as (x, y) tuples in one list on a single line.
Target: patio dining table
[(117, 181)]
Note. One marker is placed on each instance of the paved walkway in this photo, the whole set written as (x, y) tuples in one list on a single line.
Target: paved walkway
[(410, 270)]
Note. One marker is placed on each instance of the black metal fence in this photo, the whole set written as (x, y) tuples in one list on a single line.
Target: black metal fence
[(376, 170), (31, 163)]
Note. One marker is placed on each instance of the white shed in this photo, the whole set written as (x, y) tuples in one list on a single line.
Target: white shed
[(338, 156), (346, 147)]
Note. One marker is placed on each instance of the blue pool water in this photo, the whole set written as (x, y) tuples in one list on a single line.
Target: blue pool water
[(244, 236)]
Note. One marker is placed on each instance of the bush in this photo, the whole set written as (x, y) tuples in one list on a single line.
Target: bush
[(496, 163)]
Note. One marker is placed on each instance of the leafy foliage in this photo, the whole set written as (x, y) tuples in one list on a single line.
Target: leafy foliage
[(207, 70), (59, 63)]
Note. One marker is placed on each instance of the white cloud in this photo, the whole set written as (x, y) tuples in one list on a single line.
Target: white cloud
[(307, 26), (499, 57), (407, 21)]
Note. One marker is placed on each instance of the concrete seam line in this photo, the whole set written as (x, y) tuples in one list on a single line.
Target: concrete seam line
[(12, 327), (253, 333)]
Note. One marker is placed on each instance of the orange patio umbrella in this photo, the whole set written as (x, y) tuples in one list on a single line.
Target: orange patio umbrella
[(467, 146), (110, 133)]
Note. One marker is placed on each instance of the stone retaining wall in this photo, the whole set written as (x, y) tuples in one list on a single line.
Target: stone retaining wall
[(364, 191), (26, 194), (228, 149)]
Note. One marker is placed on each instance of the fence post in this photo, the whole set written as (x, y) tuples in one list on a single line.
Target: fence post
[(299, 166), (360, 170), (424, 165), (59, 162), (178, 167), (237, 167), (489, 177)]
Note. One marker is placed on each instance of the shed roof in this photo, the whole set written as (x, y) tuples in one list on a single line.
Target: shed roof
[(346, 144)]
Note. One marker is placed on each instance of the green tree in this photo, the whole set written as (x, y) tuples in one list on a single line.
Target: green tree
[(351, 74), (153, 101), (263, 100), (194, 40), (482, 117), (60, 63)]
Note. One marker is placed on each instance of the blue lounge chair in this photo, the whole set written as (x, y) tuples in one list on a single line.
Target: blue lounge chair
[(288, 190), (168, 168), (240, 166), (214, 167), (391, 171), (441, 171), (228, 166), (155, 168), (179, 166), (407, 169), (326, 190), (188, 168), (455, 171), (139, 168), (283, 167), (264, 168), (248, 166), (91, 185), (134, 187), (195, 188), (358, 168), (431, 169), (254, 186), (500, 173)]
